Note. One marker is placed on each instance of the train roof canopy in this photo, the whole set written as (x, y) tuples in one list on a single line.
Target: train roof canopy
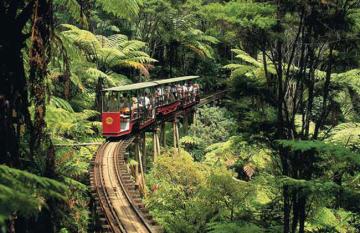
[(136, 86), (131, 87), (174, 80)]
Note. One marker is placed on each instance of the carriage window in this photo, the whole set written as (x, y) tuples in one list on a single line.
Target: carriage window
[(111, 102)]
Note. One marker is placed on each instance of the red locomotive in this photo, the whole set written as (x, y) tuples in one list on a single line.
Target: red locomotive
[(136, 106)]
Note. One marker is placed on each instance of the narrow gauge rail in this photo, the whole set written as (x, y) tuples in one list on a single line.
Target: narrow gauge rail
[(118, 198), (114, 187)]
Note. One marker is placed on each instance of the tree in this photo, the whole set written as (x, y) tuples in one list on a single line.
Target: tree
[(302, 59)]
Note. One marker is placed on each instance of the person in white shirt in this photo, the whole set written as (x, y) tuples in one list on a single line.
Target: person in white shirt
[(185, 91), (179, 91), (147, 101), (173, 91), (159, 95), (191, 91)]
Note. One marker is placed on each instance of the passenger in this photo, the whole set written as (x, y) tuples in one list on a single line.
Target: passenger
[(147, 102), (141, 101), (190, 88), (185, 91), (124, 107), (196, 89), (148, 107), (112, 103), (134, 105), (168, 94), (159, 95), (173, 91), (179, 91), (191, 91)]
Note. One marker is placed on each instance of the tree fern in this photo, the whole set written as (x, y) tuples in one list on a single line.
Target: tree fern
[(24, 193), (347, 134), (111, 52), (61, 103), (233, 227), (72, 8), (120, 8), (198, 42), (349, 78)]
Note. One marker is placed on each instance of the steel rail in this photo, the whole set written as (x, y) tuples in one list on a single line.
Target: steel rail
[(115, 159)]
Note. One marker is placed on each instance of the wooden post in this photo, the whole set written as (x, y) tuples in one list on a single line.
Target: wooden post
[(144, 151), (137, 152), (186, 123), (140, 177), (163, 134), (154, 147), (176, 133), (156, 143)]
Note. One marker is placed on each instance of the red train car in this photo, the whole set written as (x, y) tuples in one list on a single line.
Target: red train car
[(136, 106)]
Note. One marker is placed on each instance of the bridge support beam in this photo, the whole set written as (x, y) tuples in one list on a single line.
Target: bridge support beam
[(144, 151), (156, 144), (176, 133), (163, 133), (139, 171), (186, 123)]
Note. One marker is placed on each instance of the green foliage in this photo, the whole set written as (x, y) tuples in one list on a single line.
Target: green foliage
[(209, 118), (120, 8), (26, 194), (346, 134), (336, 152), (202, 133), (233, 227), (109, 53), (189, 194), (330, 220)]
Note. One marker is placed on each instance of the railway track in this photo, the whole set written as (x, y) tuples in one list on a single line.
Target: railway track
[(117, 199), (115, 193)]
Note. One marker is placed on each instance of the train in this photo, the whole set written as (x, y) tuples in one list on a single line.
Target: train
[(133, 107)]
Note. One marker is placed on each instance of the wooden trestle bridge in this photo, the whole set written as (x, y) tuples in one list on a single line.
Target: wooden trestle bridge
[(117, 189)]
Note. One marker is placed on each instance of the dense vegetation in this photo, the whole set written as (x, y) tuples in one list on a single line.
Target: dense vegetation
[(281, 153)]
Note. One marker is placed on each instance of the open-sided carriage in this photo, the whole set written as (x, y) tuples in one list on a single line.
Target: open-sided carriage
[(136, 106)]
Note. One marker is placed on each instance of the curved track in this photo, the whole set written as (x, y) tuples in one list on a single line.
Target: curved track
[(115, 188)]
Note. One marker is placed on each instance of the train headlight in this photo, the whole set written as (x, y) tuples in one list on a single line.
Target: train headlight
[(109, 120)]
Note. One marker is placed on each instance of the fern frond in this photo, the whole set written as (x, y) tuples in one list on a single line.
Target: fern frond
[(24, 193), (120, 8), (61, 103), (347, 134), (73, 9)]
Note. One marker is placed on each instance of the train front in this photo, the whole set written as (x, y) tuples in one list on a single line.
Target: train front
[(116, 114)]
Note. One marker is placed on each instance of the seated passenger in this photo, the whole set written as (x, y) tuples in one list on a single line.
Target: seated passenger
[(159, 95), (173, 91), (124, 106), (147, 102), (185, 90), (134, 105), (190, 88), (191, 91), (196, 89), (167, 94), (179, 91), (112, 103)]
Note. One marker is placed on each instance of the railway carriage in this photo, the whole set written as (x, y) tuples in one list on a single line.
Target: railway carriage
[(136, 106)]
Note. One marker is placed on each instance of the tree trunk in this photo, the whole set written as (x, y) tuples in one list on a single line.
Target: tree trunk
[(14, 114)]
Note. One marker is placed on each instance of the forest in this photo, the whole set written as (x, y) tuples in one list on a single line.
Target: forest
[(280, 152)]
